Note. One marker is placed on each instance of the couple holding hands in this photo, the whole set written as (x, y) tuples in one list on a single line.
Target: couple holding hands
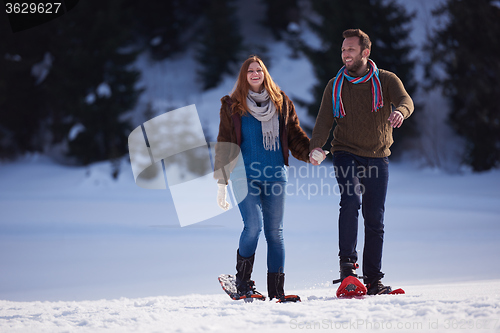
[(366, 103)]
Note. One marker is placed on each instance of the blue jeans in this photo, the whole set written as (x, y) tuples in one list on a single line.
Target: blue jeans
[(264, 206), (363, 184)]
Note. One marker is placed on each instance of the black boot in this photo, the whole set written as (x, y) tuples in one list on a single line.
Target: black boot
[(275, 286), (244, 267), (377, 288), (348, 268)]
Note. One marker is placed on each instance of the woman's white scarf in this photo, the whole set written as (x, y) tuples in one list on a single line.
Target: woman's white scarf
[(267, 115)]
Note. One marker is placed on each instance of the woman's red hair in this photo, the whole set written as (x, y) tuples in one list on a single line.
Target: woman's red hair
[(240, 92)]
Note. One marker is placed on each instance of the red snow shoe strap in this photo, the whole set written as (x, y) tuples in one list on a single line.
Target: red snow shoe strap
[(351, 287), (248, 297), (289, 298), (397, 291)]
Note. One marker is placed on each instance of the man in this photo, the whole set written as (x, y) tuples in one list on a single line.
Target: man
[(359, 99)]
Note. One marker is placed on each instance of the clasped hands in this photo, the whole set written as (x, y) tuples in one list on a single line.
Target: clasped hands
[(317, 155)]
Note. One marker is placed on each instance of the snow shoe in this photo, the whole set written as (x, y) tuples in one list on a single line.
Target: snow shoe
[(275, 286), (240, 286), (228, 284), (398, 291), (351, 287)]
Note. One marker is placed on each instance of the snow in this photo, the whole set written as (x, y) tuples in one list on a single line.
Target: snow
[(90, 98), (103, 90), (81, 252), (75, 130), (426, 309), (156, 41), (41, 70)]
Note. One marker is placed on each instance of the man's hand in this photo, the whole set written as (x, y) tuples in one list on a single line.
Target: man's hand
[(317, 155), (396, 119)]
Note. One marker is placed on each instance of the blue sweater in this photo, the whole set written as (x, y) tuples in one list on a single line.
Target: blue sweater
[(260, 164)]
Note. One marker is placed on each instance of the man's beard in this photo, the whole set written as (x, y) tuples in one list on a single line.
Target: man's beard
[(355, 66)]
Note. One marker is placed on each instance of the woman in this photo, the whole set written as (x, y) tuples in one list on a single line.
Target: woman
[(260, 119)]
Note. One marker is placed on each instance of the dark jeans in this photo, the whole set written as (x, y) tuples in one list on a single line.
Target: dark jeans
[(363, 184), (264, 205)]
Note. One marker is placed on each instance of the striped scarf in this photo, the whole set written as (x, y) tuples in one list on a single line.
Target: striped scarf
[(378, 101)]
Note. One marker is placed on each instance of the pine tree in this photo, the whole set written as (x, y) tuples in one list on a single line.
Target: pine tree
[(467, 48), (220, 42), (22, 111), (279, 14), (82, 90), (101, 86), (165, 28), (385, 22)]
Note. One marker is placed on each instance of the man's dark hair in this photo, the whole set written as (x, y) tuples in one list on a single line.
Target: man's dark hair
[(364, 39)]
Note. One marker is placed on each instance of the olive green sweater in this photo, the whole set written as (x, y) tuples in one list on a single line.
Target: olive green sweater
[(361, 131)]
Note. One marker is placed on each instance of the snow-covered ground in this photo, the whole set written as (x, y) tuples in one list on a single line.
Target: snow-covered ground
[(81, 252), (436, 308)]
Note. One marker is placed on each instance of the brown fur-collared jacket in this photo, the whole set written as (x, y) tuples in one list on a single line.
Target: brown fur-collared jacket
[(292, 137)]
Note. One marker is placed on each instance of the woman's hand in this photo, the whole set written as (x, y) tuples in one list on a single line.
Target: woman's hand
[(317, 155), (221, 197)]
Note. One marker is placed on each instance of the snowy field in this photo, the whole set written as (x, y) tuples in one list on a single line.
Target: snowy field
[(80, 252), (436, 308)]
